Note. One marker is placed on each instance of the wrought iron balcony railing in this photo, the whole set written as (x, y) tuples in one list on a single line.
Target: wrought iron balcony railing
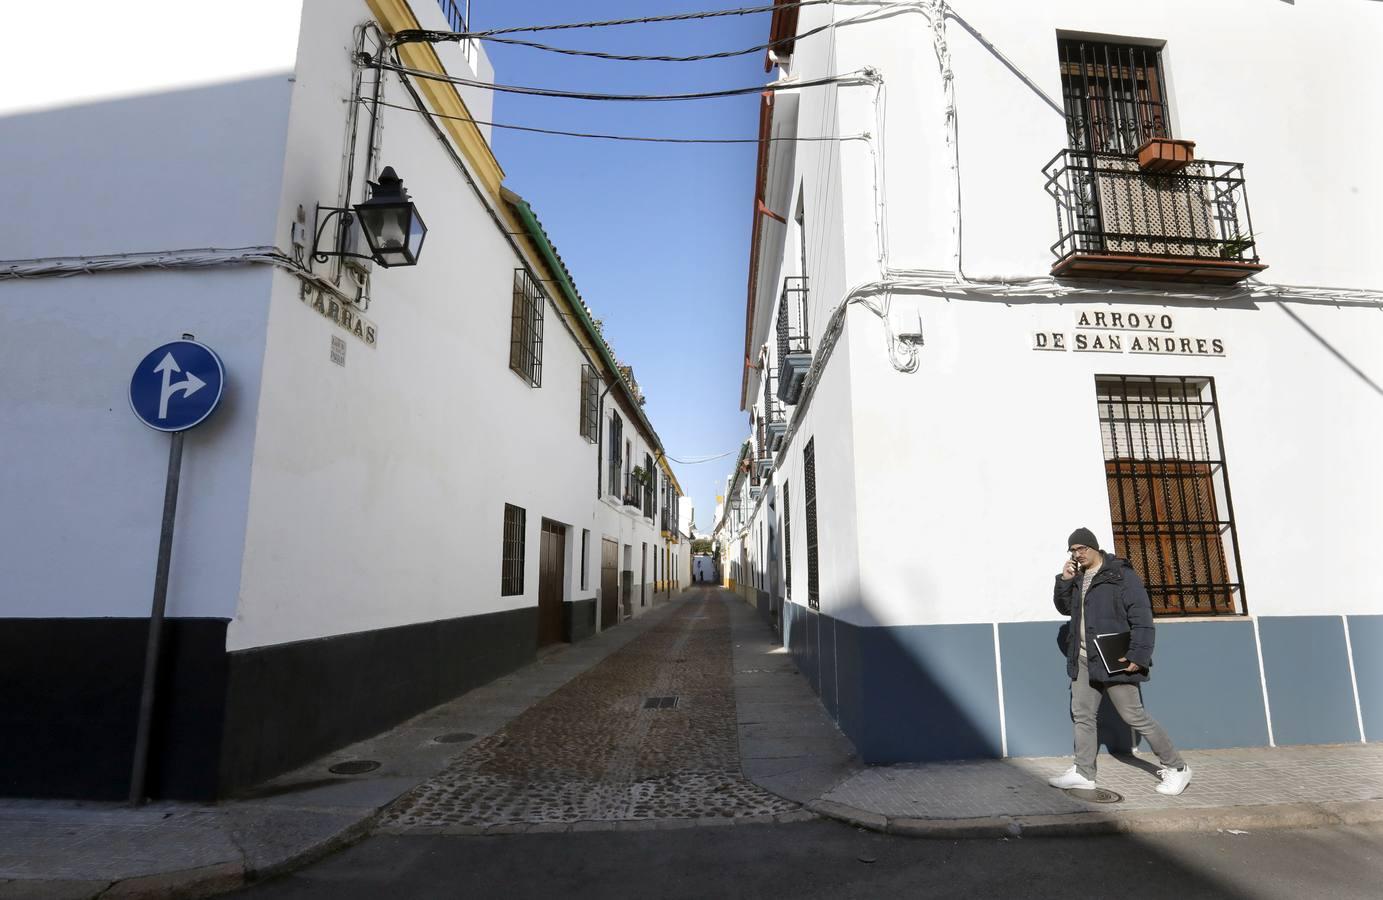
[(1115, 220), (794, 339), (633, 491)]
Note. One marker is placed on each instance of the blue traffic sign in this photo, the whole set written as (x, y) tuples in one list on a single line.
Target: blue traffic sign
[(177, 386)]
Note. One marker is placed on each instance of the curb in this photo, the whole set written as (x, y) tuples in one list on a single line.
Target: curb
[(220, 878), (1269, 816)]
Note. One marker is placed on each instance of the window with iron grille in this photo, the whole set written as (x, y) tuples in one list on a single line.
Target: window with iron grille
[(787, 542), (616, 462), (1169, 492), (1115, 95), (526, 329), (809, 485), (650, 481), (511, 566), (590, 404)]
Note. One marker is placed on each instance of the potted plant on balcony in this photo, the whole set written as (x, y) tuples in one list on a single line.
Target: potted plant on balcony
[(640, 475), (1164, 155)]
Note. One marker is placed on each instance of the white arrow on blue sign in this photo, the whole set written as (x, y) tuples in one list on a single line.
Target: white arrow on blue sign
[(177, 386)]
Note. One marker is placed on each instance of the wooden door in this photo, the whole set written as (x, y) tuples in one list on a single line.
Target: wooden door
[(609, 583), (552, 557)]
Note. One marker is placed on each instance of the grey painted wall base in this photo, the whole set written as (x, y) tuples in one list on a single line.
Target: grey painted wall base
[(930, 692), (578, 619)]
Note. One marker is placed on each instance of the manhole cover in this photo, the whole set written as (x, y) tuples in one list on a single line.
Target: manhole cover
[(354, 767), (660, 703), (1098, 795), (454, 737)]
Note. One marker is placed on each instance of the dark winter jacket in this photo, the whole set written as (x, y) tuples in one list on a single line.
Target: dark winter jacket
[(1117, 602)]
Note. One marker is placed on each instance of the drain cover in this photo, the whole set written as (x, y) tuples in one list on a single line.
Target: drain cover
[(660, 703), (354, 767), (1098, 795), (454, 737)]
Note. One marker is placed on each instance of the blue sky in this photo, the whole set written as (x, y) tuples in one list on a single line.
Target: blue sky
[(656, 235)]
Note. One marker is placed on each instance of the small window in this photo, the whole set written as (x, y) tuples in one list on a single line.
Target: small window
[(511, 575), (787, 543), (590, 391), (585, 557), (809, 485), (526, 329), (1169, 497)]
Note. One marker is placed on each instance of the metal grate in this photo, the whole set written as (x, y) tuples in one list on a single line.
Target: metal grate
[(616, 460), (660, 703), (526, 329), (809, 483), (1169, 495), (590, 387), (787, 543), (1114, 95), (511, 567), (793, 336), (1106, 204)]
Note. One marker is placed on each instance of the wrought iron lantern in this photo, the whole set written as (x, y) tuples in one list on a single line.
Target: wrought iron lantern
[(388, 220), (391, 223)]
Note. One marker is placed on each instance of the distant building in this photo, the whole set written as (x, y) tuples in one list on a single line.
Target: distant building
[(1012, 298), (418, 476)]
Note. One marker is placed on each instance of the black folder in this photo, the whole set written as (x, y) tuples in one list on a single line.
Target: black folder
[(1111, 647)]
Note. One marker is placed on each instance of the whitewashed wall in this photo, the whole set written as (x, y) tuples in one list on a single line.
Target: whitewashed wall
[(991, 450), (98, 167)]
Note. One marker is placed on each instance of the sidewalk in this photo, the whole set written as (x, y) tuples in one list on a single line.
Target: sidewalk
[(790, 746), (57, 849)]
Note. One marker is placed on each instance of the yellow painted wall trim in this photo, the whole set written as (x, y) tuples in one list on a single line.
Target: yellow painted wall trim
[(397, 15)]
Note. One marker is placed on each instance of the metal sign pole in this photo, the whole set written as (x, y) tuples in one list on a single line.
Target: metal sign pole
[(151, 653)]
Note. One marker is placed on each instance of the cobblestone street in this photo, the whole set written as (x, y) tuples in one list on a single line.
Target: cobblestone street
[(647, 734)]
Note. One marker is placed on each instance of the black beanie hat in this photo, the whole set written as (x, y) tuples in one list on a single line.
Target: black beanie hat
[(1085, 537)]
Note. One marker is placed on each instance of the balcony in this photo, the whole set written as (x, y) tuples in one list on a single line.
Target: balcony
[(1117, 220), (633, 491), (775, 417), (794, 340)]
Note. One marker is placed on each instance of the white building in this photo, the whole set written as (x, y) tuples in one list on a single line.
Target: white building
[(418, 475), (978, 319)]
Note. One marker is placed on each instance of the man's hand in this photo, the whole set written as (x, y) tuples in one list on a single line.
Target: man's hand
[(1132, 667), (1068, 571)]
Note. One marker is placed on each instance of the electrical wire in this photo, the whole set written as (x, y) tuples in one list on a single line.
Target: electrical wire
[(435, 37), (609, 137), (697, 460), (864, 76), (642, 20)]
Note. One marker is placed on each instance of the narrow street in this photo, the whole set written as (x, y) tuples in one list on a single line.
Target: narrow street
[(647, 734), (649, 793)]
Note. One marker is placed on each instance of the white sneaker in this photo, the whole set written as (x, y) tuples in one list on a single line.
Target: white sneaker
[(1072, 779), (1174, 781)]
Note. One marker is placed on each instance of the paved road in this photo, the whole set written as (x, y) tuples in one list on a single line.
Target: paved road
[(823, 859)]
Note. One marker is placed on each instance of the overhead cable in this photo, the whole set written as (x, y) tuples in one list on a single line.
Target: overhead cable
[(864, 76), (610, 137), (406, 36), (436, 37), (697, 460)]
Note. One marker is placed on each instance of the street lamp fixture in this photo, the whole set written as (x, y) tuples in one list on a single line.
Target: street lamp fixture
[(389, 221)]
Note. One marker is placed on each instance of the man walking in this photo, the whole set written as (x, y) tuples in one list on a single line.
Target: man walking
[(1103, 595)]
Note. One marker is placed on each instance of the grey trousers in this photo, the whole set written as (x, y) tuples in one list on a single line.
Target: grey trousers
[(1128, 702)]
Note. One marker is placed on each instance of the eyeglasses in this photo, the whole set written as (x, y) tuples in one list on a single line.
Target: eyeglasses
[(1078, 548)]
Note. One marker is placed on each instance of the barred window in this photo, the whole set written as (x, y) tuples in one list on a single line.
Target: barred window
[(1114, 95), (511, 569), (590, 403), (616, 463), (1169, 495), (809, 484), (526, 329), (787, 542)]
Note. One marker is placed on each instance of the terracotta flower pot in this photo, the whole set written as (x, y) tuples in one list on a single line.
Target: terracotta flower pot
[(1160, 156)]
